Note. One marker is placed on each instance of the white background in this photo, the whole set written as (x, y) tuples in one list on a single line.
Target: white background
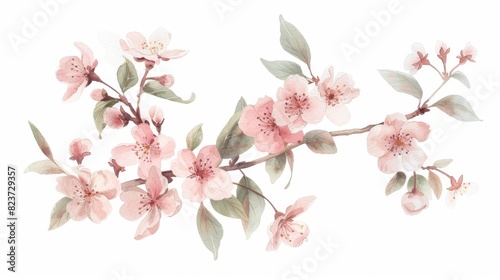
[(373, 237)]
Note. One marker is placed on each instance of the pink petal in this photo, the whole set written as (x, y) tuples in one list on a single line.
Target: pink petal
[(106, 183), (125, 47), (299, 233), (79, 147), (389, 163), (155, 183), (219, 186), (67, 71), (274, 232), (74, 91), (87, 54), (180, 166), (76, 209), (137, 41), (142, 133), (98, 209), (68, 185), (192, 190), (160, 36), (248, 122), (451, 198), (397, 120), (315, 112), (289, 137), (172, 54), (375, 139), (282, 118), (170, 203), (417, 130), (413, 160), (301, 205), (296, 84), (338, 114), (166, 145), (132, 198), (210, 154), (149, 225), (125, 155), (270, 142)]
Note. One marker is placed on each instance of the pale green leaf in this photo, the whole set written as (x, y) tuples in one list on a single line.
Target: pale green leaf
[(156, 89), (230, 207), (281, 69), (127, 75), (194, 137), (457, 107), (435, 183), (44, 167), (320, 142), (461, 77), (99, 109), (275, 166), (231, 141), (59, 216), (402, 82), (442, 163), (396, 183), (42, 143), (210, 230), (253, 204), (294, 42)]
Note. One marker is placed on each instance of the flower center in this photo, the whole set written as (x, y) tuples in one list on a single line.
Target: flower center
[(146, 204), (145, 152), (296, 103), (202, 170), (267, 123), (398, 144)]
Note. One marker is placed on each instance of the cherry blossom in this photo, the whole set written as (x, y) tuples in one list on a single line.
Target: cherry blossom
[(154, 49), (286, 229), (78, 72), (442, 51), (148, 150), (337, 92), (395, 143), (414, 202), (90, 193), (257, 121), (165, 80), (459, 188), (98, 94), (417, 59), (114, 118), (203, 177), (156, 115), (78, 149), (156, 199), (295, 107), (467, 54)]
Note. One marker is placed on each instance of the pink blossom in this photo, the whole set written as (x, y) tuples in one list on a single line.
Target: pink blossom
[(286, 229), (78, 72), (295, 107), (337, 92), (257, 121), (98, 94), (116, 167), (166, 80), (395, 143), (417, 59), (89, 193), (114, 118), (467, 54), (154, 49), (79, 148), (459, 188), (203, 177), (442, 51), (148, 150), (414, 202), (156, 199), (156, 115)]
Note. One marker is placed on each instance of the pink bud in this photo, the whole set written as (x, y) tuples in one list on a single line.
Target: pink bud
[(79, 148), (414, 202), (114, 118), (156, 115), (98, 94), (166, 80)]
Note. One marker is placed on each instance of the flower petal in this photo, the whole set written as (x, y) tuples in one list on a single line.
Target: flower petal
[(315, 111), (413, 160), (125, 155), (417, 130), (132, 198), (149, 225), (170, 203), (389, 163), (173, 53), (76, 209), (87, 54), (138, 42), (98, 208), (142, 133), (210, 154), (301, 205), (338, 114), (106, 183), (219, 186), (182, 164), (192, 190), (155, 183)]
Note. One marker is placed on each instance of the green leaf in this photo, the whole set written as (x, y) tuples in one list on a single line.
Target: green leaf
[(422, 185), (59, 216), (442, 163), (127, 75), (275, 166), (290, 159), (281, 69), (231, 141), (42, 143), (230, 207), (240, 105), (461, 77), (293, 42), (396, 183), (457, 107), (320, 142), (194, 137), (44, 167), (156, 89), (99, 109), (402, 82), (435, 183), (210, 230), (253, 204)]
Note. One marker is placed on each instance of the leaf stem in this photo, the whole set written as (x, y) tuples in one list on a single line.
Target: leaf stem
[(257, 193)]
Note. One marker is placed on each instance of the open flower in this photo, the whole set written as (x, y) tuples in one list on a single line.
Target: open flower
[(114, 118), (148, 150), (467, 54), (78, 149), (294, 107), (337, 92), (78, 72), (395, 143), (286, 229), (414, 202), (156, 199), (203, 177), (90, 193), (459, 188), (257, 121), (154, 49), (417, 59)]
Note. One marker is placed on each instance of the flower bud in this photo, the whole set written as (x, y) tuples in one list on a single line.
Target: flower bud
[(114, 118), (98, 94), (414, 202)]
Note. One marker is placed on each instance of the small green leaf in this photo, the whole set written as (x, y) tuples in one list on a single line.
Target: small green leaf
[(42, 143), (281, 69), (275, 166), (457, 107), (402, 82), (293, 42), (290, 160), (194, 137), (396, 183), (44, 167), (127, 75), (422, 185), (320, 142), (156, 89), (435, 183), (253, 204), (230, 207), (210, 230), (99, 109), (461, 77), (240, 105), (442, 163), (59, 216), (231, 141)]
